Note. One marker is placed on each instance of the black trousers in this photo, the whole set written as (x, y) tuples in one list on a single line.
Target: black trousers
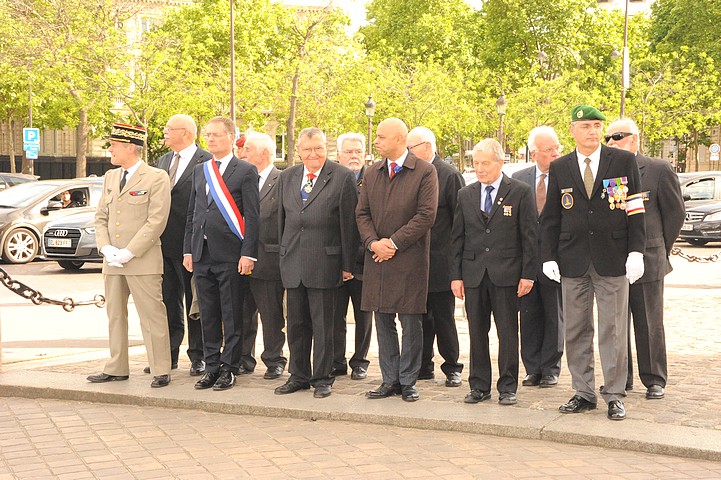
[(542, 329), (176, 289), (439, 324), (351, 291), (264, 297), (646, 304), (221, 290), (310, 326), (503, 302)]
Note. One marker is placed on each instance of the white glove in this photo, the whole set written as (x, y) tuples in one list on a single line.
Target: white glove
[(634, 266), (109, 251), (124, 256), (550, 269)]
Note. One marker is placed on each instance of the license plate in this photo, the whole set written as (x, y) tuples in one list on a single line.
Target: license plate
[(687, 227), (60, 242)]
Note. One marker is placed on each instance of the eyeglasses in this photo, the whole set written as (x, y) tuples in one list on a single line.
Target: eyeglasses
[(309, 150), (357, 151), (416, 145), (215, 135), (617, 136), (557, 149), (170, 129)]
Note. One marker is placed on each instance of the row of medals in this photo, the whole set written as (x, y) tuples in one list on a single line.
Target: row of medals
[(616, 197)]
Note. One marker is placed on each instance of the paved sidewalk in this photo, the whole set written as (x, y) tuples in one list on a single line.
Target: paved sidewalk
[(686, 423)]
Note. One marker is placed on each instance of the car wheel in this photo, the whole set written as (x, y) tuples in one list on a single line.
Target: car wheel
[(696, 242), (71, 264), (21, 246)]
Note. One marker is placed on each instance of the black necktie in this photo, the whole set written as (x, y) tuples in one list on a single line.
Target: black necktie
[(122, 180), (488, 203)]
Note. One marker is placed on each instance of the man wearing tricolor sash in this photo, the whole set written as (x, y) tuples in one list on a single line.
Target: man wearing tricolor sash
[(220, 248)]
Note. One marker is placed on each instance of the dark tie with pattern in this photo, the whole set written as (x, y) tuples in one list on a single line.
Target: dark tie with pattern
[(488, 203), (122, 180), (393, 170), (307, 188), (173, 170), (541, 193)]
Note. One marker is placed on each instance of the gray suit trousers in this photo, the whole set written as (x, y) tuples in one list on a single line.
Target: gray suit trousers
[(399, 364), (611, 294)]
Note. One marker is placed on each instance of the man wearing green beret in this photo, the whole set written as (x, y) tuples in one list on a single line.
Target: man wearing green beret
[(592, 242)]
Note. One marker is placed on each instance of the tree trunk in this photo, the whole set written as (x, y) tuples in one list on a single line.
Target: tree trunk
[(13, 168), (81, 143), (290, 130)]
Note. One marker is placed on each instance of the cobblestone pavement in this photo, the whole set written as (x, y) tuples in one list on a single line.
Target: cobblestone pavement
[(75, 440)]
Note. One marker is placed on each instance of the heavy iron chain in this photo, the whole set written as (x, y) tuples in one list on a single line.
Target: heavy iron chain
[(693, 258), (37, 298)]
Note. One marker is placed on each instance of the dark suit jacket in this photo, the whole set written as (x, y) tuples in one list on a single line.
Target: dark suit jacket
[(665, 214), (589, 231), (317, 240), (505, 245), (205, 220), (449, 182), (174, 233), (361, 254), (268, 265), (402, 209), (528, 176)]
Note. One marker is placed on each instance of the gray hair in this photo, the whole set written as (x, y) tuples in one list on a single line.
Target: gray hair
[(351, 136), (424, 134), (264, 142), (311, 132), (138, 150), (490, 145), (627, 124), (543, 130), (188, 123)]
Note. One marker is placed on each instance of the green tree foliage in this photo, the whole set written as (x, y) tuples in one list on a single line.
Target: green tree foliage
[(690, 23)]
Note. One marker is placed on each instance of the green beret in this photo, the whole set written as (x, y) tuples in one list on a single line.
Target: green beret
[(585, 112)]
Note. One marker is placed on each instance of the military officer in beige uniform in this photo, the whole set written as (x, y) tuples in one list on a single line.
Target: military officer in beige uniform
[(130, 217)]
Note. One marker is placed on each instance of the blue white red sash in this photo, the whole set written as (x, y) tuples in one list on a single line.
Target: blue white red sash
[(222, 197)]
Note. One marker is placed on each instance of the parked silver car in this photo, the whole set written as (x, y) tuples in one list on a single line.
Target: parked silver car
[(71, 241), (25, 210)]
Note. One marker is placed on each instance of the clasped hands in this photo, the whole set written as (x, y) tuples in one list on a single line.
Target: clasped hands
[(115, 256), (383, 250)]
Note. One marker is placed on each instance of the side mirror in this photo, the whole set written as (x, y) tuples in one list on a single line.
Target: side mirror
[(686, 197), (51, 207)]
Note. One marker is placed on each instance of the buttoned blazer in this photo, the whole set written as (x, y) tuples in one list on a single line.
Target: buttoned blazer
[(174, 233), (205, 220), (361, 252), (665, 213), (268, 265), (134, 218), (450, 181), (586, 230), (317, 240), (402, 209), (505, 245)]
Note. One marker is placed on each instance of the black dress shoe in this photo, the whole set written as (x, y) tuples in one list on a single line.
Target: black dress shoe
[(616, 410), (426, 375), (576, 405), (384, 391), (291, 387), (358, 373), (244, 371), (476, 396), (225, 380), (453, 379), (409, 393), (104, 377), (531, 380), (548, 381), (206, 381), (197, 368), (322, 391), (273, 372), (160, 381), (338, 372), (655, 392), (507, 398)]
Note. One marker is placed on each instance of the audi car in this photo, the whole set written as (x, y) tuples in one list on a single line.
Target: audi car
[(71, 241), (25, 209), (702, 224)]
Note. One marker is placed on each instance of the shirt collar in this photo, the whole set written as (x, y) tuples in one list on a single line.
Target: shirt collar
[(225, 159), (496, 183), (400, 160), (188, 151), (134, 168), (306, 171)]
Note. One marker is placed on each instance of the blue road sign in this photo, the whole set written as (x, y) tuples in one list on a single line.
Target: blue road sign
[(31, 136), (32, 154)]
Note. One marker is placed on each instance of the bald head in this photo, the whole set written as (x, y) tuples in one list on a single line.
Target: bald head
[(391, 136), (180, 132)]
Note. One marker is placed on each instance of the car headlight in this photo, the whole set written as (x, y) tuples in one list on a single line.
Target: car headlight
[(89, 230), (713, 217)]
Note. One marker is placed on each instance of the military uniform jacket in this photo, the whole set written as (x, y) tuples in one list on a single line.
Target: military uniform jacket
[(134, 218), (584, 230), (504, 245), (665, 214)]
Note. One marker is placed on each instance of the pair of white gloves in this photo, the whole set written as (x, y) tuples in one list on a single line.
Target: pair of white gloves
[(634, 268), (116, 256)]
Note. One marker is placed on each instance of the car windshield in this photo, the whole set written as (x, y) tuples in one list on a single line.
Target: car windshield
[(24, 194)]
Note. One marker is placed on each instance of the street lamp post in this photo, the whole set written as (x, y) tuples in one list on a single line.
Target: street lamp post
[(370, 110), (501, 105), (232, 61), (625, 80)]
